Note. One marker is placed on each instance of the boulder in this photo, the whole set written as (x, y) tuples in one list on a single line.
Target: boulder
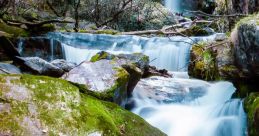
[(63, 64), (246, 45), (160, 89), (104, 79), (9, 69), (39, 66), (138, 59), (214, 61), (39, 105)]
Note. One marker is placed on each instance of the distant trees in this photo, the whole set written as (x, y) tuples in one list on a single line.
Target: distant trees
[(112, 13)]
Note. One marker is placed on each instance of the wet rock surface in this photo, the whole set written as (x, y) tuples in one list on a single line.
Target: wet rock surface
[(63, 64), (39, 66), (169, 90), (6, 68)]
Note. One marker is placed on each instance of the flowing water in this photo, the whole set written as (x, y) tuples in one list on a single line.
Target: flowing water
[(179, 106), (165, 53)]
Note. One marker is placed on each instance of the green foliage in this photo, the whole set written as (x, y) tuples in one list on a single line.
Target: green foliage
[(204, 66), (251, 105)]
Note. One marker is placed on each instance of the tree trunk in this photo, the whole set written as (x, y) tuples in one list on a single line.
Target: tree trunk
[(76, 6)]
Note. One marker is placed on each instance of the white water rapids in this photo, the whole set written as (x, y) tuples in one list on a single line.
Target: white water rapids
[(178, 106)]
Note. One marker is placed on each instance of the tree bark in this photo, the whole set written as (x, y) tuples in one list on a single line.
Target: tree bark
[(76, 6)]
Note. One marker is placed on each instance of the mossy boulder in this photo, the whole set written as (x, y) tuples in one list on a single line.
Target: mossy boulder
[(102, 55), (104, 79), (203, 64), (213, 61), (13, 30), (252, 108), (138, 59), (195, 31), (135, 64), (37, 105), (246, 45)]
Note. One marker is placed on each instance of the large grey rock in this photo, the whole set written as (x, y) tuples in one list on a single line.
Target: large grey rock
[(138, 59), (39, 66), (160, 89), (63, 64), (246, 44), (9, 69), (104, 79)]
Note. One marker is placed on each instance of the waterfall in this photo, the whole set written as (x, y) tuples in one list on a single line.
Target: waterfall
[(178, 106), (173, 5), (165, 53)]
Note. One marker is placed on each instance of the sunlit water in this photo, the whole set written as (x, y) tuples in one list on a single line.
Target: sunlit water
[(187, 107)]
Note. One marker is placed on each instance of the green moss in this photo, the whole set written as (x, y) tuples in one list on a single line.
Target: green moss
[(252, 18), (102, 55), (251, 105), (98, 57), (112, 32), (15, 31), (62, 109), (195, 31), (119, 87), (204, 65), (83, 31)]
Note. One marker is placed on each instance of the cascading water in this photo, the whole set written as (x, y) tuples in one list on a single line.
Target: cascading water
[(171, 54), (178, 106), (211, 113), (173, 5)]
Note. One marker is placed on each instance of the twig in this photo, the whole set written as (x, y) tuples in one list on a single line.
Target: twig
[(200, 13)]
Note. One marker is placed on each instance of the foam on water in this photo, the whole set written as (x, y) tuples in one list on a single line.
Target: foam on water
[(214, 114)]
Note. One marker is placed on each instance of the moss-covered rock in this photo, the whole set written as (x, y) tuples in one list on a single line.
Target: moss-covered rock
[(104, 79), (203, 64), (37, 105), (246, 45), (102, 55), (214, 61), (195, 31), (12, 30), (252, 109)]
